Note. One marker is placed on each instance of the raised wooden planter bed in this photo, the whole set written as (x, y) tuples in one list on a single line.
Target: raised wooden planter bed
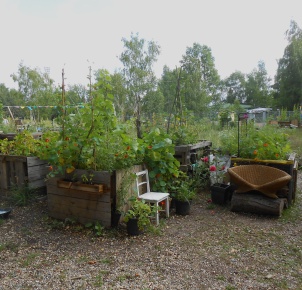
[(290, 166), (84, 206), (11, 136), (21, 171), (87, 187), (86, 203)]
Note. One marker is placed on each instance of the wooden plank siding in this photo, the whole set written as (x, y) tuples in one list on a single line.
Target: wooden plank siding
[(21, 171), (86, 206)]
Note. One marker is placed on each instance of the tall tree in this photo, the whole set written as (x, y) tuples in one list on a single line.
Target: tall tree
[(168, 86), (11, 97), (234, 87), (120, 96), (37, 89), (138, 59), (153, 103), (32, 83), (288, 81), (258, 87), (76, 94), (201, 79)]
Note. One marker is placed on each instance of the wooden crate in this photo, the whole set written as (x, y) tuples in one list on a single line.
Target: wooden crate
[(186, 153), (21, 171)]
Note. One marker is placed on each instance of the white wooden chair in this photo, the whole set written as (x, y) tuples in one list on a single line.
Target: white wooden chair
[(144, 193)]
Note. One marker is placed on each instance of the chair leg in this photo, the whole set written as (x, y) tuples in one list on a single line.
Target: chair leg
[(167, 207), (157, 214)]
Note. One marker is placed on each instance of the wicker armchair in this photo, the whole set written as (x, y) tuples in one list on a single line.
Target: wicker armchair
[(262, 178)]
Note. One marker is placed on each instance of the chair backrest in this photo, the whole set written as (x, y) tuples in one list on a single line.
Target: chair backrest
[(142, 182)]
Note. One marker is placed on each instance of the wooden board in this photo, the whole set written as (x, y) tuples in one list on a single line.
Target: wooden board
[(83, 206), (21, 171), (183, 152)]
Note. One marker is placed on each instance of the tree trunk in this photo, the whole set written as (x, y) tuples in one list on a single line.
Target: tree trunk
[(255, 202)]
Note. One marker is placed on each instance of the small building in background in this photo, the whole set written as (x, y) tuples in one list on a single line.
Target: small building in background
[(259, 115)]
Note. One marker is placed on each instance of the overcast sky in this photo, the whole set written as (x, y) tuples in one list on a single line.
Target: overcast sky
[(74, 34)]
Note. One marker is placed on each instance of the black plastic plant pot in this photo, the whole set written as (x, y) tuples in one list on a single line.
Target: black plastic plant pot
[(132, 227), (182, 207), (220, 193), (115, 219)]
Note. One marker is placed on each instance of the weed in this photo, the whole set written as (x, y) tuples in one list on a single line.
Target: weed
[(211, 206), (97, 228), (56, 224), (290, 214), (230, 287), (26, 231), (29, 259), (99, 280), (106, 261), (21, 195), (12, 247), (221, 278), (70, 221)]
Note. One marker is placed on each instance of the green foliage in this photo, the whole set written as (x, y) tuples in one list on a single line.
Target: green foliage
[(138, 59), (141, 211), (289, 73), (21, 195), (235, 88), (23, 145), (266, 143), (258, 87), (283, 115), (182, 135), (185, 192), (91, 138), (182, 187), (200, 79), (201, 175), (97, 228), (167, 85), (296, 113), (158, 151), (184, 128)]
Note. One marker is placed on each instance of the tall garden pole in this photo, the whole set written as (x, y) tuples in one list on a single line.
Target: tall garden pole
[(63, 104)]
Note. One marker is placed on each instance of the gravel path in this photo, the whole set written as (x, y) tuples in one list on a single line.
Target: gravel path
[(212, 248)]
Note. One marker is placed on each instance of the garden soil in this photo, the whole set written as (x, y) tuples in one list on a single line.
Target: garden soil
[(212, 248)]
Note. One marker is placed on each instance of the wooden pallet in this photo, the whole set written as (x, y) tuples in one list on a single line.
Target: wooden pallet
[(21, 170)]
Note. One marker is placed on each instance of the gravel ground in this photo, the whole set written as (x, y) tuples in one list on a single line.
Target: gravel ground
[(212, 248)]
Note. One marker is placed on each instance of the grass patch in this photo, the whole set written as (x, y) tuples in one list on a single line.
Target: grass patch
[(21, 195), (29, 259)]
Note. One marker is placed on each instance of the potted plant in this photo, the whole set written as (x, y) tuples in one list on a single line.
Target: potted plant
[(184, 195), (138, 216), (219, 190)]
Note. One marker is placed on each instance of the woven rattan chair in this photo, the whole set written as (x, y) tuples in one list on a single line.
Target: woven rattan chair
[(265, 179)]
